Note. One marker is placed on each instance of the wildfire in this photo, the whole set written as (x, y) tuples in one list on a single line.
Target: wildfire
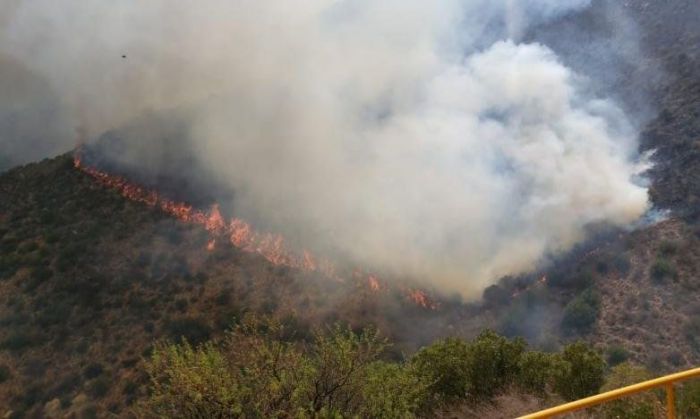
[(236, 231), (541, 281), (373, 283), (422, 299)]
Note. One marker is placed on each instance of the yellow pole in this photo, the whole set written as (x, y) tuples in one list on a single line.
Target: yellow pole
[(670, 401), (666, 381)]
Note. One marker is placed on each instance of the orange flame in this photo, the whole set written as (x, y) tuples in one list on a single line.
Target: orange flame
[(421, 298), (239, 233), (541, 281), (373, 283)]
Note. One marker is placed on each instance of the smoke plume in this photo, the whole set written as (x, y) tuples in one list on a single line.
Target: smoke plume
[(422, 139)]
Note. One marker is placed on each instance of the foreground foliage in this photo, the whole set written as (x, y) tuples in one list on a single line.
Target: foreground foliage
[(257, 371)]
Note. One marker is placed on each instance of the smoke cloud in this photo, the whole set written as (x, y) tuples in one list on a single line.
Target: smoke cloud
[(421, 138)]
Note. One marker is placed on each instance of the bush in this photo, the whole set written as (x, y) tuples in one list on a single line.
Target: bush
[(495, 296), (640, 406), (39, 275), (662, 270), (493, 363), (99, 387), (129, 388), (192, 330), (582, 372), (668, 248), (689, 400), (537, 372), (253, 373), (5, 373), (581, 313), (196, 381), (181, 305), (392, 391), (579, 281), (692, 332), (339, 361), (477, 370), (617, 355), (19, 341), (257, 372), (93, 370), (445, 364)]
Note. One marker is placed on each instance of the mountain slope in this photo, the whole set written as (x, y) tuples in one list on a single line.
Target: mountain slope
[(89, 279)]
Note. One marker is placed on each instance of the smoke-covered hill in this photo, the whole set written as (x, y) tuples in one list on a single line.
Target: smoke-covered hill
[(90, 279), (552, 239)]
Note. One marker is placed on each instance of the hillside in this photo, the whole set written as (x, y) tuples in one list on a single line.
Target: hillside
[(91, 279)]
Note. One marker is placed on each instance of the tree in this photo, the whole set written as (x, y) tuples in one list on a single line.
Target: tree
[(275, 373), (582, 372), (255, 372), (537, 372), (476, 370), (340, 360), (494, 362), (192, 383), (445, 365), (392, 390)]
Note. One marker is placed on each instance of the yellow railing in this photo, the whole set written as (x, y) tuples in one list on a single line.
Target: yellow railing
[(666, 382)]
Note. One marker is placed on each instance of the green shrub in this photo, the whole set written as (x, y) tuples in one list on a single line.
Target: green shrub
[(99, 387), (253, 373), (577, 281), (617, 355), (495, 296), (445, 364), (392, 391), (5, 373), (129, 388), (537, 372), (39, 276), (475, 371), (66, 385), (668, 248), (662, 270), (339, 361), (493, 363), (57, 313), (19, 341), (640, 406), (192, 330), (93, 370), (689, 400), (181, 305), (691, 330), (192, 382), (581, 313), (581, 373)]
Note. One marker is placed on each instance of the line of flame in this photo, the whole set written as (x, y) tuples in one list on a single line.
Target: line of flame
[(238, 232)]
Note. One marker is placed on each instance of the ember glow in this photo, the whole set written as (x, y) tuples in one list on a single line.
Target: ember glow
[(239, 233), (540, 282), (422, 299)]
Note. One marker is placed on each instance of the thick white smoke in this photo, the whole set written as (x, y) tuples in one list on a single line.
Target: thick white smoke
[(417, 137)]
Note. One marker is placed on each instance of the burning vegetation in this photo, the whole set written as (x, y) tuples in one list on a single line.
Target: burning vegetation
[(239, 233)]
